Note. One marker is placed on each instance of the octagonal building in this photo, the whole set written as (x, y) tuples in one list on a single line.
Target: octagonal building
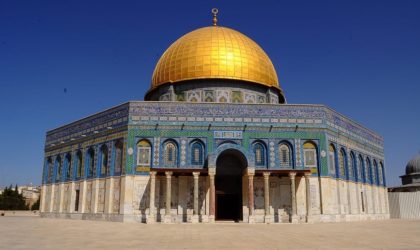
[(214, 140)]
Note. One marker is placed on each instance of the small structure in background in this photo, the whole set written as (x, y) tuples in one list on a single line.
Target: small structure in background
[(404, 200), (30, 193)]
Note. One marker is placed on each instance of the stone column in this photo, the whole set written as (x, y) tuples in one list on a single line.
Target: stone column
[(251, 173), (43, 194), (267, 216), (308, 198), (195, 215), (294, 217), (152, 218), (212, 212), (167, 218), (60, 205)]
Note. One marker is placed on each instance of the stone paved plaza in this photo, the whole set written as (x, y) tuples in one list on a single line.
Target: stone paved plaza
[(36, 233)]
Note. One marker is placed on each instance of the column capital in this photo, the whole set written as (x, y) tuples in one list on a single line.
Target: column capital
[(211, 171), (196, 174), (307, 174), (168, 174), (266, 174), (152, 174), (292, 175), (250, 171)]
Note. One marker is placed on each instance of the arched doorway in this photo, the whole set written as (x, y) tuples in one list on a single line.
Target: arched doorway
[(230, 166)]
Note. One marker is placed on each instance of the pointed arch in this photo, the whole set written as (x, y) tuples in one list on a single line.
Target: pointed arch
[(375, 172), (170, 155), (90, 162), (342, 163), (104, 162), (332, 158), (50, 169), (59, 167), (79, 165), (310, 154), (352, 166), (118, 162), (368, 170), (382, 174), (197, 152), (260, 152), (144, 153), (68, 166), (360, 167), (285, 154)]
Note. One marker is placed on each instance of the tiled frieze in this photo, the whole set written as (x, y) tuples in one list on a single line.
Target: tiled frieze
[(103, 121)]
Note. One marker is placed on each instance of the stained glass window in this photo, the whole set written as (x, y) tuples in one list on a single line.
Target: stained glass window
[(285, 155), (309, 154), (259, 151), (143, 153), (197, 151), (331, 155), (170, 154)]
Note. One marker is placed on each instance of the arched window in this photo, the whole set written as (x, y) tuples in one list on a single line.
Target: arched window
[(80, 166), (118, 157), (342, 163), (69, 166), (331, 158), (285, 155), (352, 166), (381, 173), (368, 169), (144, 153), (375, 172), (170, 154), (50, 169), (104, 160), (360, 175), (259, 153), (59, 166), (197, 153), (90, 160), (310, 155)]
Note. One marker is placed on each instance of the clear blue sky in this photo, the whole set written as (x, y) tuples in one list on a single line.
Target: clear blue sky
[(361, 58)]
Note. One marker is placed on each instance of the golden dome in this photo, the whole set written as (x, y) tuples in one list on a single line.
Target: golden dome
[(218, 53)]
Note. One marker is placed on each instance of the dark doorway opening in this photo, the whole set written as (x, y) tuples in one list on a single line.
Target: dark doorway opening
[(229, 170)]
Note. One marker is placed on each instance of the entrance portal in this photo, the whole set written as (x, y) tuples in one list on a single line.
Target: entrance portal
[(229, 170)]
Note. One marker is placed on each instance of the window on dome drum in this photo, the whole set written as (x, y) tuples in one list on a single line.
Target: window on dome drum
[(360, 174), (285, 155), (69, 166), (59, 165), (91, 162), (331, 158), (118, 156), (170, 155), (341, 163), (144, 150), (310, 155), (80, 167), (352, 164), (197, 153), (104, 160), (50, 169), (259, 151)]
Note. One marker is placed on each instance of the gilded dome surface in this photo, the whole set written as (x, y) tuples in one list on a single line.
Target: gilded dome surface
[(215, 52)]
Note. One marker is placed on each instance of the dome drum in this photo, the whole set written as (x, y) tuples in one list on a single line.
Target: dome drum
[(216, 90)]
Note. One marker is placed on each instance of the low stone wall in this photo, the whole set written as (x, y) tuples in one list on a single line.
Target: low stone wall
[(18, 213)]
